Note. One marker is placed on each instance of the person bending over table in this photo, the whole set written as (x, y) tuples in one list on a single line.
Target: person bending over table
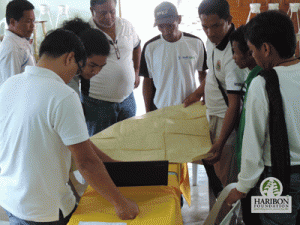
[(96, 53), (44, 126)]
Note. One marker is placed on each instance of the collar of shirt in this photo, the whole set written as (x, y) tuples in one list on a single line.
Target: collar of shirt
[(222, 45), (253, 73), (17, 39), (43, 72), (118, 25)]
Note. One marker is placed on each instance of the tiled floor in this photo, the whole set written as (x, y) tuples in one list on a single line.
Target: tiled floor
[(198, 211)]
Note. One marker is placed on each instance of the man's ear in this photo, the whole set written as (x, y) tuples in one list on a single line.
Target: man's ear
[(179, 19), (92, 11), (266, 48), (69, 57), (12, 22), (229, 19)]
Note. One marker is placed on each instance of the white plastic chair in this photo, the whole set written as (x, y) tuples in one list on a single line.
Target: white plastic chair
[(231, 216)]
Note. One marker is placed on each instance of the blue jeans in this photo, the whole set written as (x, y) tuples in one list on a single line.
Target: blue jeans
[(13, 220), (283, 218), (101, 114)]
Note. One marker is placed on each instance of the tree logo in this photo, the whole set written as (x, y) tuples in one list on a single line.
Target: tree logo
[(271, 200), (271, 187)]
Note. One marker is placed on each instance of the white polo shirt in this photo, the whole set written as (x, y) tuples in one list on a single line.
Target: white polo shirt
[(172, 66), (256, 142), (39, 116), (15, 54), (115, 82), (221, 64)]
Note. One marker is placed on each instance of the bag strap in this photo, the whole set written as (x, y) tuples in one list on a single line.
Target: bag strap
[(280, 153), (219, 83)]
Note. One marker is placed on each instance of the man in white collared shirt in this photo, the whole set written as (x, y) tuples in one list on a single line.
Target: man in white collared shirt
[(44, 128), (108, 96), (15, 49)]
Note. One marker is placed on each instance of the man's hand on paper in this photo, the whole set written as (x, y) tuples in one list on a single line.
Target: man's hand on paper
[(127, 210), (193, 98), (216, 150)]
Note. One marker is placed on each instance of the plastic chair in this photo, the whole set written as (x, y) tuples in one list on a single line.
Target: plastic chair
[(294, 9), (231, 216), (273, 6), (254, 9), (195, 171)]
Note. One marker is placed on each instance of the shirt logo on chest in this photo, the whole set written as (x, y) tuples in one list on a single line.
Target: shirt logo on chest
[(186, 57), (218, 66)]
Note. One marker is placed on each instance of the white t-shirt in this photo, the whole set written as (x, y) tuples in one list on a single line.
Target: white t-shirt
[(15, 54), (221, 65), (256, 141), (39, 116), (172, 66), (115, 82)]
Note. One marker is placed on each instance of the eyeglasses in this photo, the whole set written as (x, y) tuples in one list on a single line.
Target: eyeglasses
[(116, 48)]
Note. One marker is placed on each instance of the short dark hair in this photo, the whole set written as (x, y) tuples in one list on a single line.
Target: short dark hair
[(272, 27), (76, 25), (218, 7), (99, 2), (94, 41), (59, 42), (15, 9), (238, 35)]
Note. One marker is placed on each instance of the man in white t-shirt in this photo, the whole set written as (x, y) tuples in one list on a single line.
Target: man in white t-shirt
[(15, 49), (271, 144), (108, 97), (222, 92), (42, 125), (169, 61)]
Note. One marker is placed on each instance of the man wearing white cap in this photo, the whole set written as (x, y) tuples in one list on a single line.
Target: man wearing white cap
[(169, 61)]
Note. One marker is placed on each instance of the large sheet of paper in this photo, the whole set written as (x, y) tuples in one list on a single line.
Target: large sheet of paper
[(173, 133)]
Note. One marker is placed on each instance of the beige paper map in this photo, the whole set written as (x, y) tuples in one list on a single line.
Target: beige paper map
[(173, 133)]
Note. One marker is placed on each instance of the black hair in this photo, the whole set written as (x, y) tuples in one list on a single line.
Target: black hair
[(272, 27), (15, 9), (76, 25), (99, 2), (59, 42), (238, 36), (218, 7), (94, 40)]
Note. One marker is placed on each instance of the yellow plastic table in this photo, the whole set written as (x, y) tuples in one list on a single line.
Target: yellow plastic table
[(159, 205)]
